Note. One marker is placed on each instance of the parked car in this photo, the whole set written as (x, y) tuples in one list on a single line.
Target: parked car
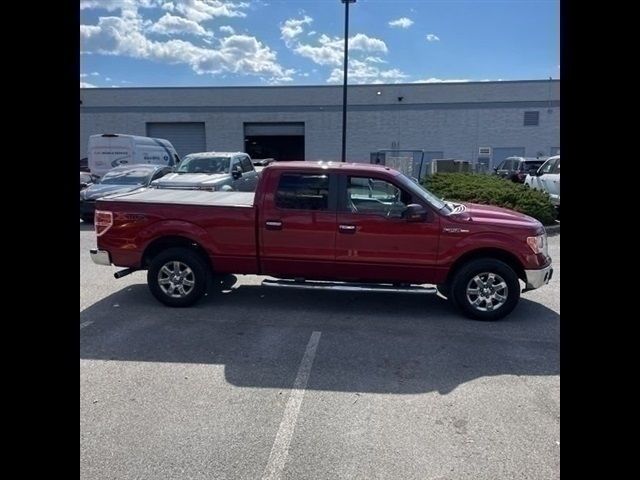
[(212, 171), (330, 226), (517, 168), (547, 179), (86, 180), (118, 180), (111, 150), (262, 162)]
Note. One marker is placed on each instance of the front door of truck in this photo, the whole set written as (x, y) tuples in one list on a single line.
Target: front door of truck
[(298, 225), (374, 241)]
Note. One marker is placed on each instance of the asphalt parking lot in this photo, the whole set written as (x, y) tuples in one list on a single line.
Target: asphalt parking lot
[(387, 385)]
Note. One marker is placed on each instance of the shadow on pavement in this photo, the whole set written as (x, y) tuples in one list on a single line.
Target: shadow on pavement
[(383, 343)]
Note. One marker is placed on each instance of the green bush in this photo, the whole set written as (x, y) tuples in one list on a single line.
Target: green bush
[(492, 190)]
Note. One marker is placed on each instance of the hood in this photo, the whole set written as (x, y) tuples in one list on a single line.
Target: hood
[(96, 191), (490, 214), (190, 179)]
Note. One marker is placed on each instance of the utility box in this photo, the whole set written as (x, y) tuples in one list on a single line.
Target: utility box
[(450, 166)]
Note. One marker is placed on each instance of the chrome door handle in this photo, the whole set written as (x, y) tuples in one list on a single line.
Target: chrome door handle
[(273, 225), (347, 228)]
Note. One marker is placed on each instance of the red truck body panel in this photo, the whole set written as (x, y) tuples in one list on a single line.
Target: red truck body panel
[(257, 237)]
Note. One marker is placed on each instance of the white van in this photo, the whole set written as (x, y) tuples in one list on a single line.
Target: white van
[(110, 150)]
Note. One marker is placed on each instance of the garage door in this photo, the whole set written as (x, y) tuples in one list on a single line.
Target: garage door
[(500, 153), (186, 137)]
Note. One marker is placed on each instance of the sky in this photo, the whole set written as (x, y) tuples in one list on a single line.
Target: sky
[(142, 43)]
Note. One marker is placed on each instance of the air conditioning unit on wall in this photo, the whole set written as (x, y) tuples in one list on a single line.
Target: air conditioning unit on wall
[(484, 151)]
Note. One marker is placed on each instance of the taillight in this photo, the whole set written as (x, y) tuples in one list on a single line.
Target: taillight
[(102, 221)]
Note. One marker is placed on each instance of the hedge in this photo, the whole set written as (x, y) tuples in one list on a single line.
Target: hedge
[(492, 190)]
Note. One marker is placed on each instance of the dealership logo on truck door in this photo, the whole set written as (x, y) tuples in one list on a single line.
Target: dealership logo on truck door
[(454, 230)]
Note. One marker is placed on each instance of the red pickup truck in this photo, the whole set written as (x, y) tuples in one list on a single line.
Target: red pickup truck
[(326, 225)]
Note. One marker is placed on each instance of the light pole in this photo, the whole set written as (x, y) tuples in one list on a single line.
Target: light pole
[(344, 78)]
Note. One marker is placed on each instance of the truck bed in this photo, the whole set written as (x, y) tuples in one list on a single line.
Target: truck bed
[(185, 197)]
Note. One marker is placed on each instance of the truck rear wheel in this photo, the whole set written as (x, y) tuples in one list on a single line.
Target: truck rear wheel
[(177, 277), (485, 289)]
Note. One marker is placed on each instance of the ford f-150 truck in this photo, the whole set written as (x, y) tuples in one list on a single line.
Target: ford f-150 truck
[(326, 225)]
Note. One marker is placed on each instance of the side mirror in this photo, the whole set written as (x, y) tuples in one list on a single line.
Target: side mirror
[(236, 173), (415, 213)]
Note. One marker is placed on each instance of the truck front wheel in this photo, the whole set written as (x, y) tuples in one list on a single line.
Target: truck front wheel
[(485, 289), (177, 277)]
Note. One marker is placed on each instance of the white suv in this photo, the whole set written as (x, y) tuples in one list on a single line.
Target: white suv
[(547, 179)]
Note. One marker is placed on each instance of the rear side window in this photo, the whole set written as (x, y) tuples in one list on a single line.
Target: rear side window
[(556, 167), (247, 166), (303, 192)]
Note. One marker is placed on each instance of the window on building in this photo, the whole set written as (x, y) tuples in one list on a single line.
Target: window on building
[(531, 118), (303, 192)]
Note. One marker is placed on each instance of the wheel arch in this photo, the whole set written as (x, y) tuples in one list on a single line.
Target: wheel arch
[(488, 252), (169, 241)]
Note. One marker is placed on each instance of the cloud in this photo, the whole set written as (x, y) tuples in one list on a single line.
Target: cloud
[(432, 38), (227, 29), (172, 25), (125, 36), (363, 72), (375, 60), (195, 10), (108, 79), (83, 75), (330, 50), (312, 32), (402, 22), (95, 74), (293, 27), (440, 80), (87, 85), (201, 10)]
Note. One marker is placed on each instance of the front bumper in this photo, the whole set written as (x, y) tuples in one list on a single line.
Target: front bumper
[(100, 257), (538, 278)]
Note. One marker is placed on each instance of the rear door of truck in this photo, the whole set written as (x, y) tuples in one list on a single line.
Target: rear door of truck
[(297, 224)]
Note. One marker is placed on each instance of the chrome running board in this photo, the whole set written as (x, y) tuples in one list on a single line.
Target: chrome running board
[(348, 287)]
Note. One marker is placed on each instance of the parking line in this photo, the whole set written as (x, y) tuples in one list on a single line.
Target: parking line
[(280, 449), (85, 324)]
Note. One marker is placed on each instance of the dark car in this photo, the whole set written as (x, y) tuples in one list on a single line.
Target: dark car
[(118, 180), (517, 168)]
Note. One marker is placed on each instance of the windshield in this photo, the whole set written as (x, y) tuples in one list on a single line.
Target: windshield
[(126, 177), (420, 191), (204, 165)]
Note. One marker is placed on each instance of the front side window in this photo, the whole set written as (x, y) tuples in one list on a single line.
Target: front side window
[(303, 192), (548, 166), (204, 165), (556, 168), (377, 197), (247, 166)]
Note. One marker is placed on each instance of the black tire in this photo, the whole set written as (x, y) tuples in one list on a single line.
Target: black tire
[(465, 278), (87, 218), (192, 267)]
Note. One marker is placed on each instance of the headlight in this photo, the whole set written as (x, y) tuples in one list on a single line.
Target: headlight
[(538, 244)]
